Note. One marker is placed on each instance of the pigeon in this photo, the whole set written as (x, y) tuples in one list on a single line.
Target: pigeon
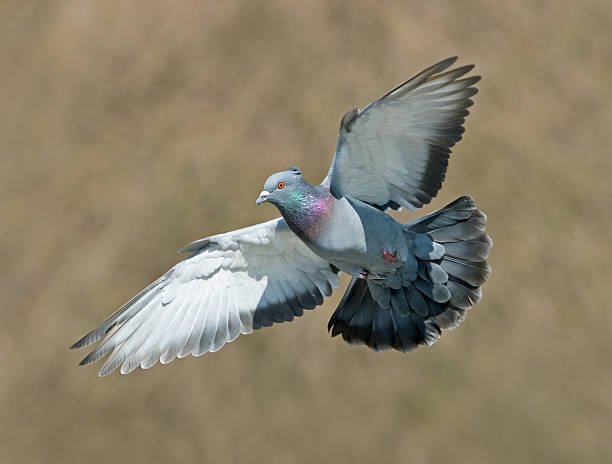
[(408, 281)]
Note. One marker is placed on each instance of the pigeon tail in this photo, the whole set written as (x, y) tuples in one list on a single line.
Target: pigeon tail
[(381, 324), (443, 287), (460, 228)]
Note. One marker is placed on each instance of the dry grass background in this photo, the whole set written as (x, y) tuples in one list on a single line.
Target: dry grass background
[(130, 128)]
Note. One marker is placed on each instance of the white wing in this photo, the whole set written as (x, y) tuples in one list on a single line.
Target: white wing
[(395, 151), (233, 283)]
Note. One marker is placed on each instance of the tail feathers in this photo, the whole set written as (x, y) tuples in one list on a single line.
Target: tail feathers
[(460, 228), (459, 210), (474, 273), (351, 300), (363, 320), (446, 285)]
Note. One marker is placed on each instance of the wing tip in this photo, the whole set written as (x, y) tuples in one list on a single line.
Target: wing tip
[(446, 62), (78, 344), (104, 373), (109, 366), (84, 341), (93, 336), (467, 68), (86, 360)]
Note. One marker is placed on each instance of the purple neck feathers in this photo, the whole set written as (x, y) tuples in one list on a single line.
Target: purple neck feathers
[(307, 210)]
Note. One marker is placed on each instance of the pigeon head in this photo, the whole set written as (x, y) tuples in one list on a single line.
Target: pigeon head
[(279, 186)]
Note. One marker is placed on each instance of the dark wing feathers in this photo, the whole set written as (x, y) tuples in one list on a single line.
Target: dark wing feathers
[(395, 151)]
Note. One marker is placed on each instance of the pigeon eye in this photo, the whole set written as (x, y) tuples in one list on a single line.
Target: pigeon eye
[(280, 185)]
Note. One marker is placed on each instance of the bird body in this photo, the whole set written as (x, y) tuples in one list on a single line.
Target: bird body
[(409, 281), (345, 232), (355, 237)]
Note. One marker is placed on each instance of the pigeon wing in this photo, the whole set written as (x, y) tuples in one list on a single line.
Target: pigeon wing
[(395, 151), (233, 283)]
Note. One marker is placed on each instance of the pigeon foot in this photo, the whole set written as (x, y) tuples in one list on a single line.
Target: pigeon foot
[(391, 257)]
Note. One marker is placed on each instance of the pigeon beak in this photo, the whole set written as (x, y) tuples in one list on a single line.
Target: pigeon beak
[(263, 196)]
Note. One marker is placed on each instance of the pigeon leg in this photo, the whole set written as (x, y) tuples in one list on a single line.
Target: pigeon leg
[(391, 257), (364, 274)]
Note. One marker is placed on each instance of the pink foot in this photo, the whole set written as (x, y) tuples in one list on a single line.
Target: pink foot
[(364, 274), (389, 256)]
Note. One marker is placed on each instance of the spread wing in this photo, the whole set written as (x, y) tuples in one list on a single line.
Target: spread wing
[(395, 151), (233, 283)]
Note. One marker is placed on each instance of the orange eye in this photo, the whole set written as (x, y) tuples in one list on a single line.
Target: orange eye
[(281, 185)]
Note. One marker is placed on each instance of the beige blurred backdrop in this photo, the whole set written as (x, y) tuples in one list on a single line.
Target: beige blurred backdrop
[(130, 128)]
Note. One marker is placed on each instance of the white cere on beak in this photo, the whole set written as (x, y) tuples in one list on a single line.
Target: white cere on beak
[(262, 197)]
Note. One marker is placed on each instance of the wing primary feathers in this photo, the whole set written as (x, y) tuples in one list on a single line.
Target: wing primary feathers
[(421, 77), (105, 326), (231, 284), (411, 129)]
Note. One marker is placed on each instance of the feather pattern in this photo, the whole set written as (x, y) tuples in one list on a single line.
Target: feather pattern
[(231, 284), (438, 286), (395, 151)]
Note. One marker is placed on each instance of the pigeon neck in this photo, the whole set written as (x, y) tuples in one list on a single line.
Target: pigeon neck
[(307, 210)]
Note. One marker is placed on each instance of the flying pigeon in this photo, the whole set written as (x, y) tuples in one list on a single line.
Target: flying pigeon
[(409, 281)]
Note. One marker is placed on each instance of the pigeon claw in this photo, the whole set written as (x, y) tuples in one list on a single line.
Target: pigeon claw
[(364, 274), (391, 257)]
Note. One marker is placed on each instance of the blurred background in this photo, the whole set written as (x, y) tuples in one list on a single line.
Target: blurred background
[(131, 128)]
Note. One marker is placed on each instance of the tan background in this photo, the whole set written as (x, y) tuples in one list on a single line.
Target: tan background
[(130, 128)]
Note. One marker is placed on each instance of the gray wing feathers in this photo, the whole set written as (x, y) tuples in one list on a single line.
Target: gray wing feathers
[(232, 283), (395, 151)]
